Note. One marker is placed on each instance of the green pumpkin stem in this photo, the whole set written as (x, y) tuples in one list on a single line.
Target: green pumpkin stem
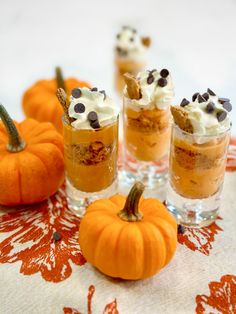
[(15, 143), (60, 79), (130, 211)]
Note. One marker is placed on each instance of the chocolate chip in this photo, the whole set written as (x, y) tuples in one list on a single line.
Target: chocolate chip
[(211, 92), (79, 108), (221, 115), (94, 89), (227, 106), (164, 73), (104, 93), (76, 92), (223, 100), (118, 49), (118, 36), (56, 236), (92, 116), (131, 39), (95, 124), (210, 107), (200, 98), (162, 82), (195, 96), (181, 229), (184, 102), (134, 30), (206, 96), (150, 79)]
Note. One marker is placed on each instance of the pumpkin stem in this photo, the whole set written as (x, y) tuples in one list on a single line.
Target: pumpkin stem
[(59, 78), (15, 144), (130, 211)]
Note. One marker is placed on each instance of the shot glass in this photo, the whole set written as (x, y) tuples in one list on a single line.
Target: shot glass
[(146, 144), (91, 164), (196, 176)]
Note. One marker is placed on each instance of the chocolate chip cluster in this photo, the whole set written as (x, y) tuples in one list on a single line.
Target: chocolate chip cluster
[(80, 107), (211, 107), (162, 82)]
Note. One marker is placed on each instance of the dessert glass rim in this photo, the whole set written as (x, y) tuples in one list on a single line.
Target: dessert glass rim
[(113, 121), (174, 125)]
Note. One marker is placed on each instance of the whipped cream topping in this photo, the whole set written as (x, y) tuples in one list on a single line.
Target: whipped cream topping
[(129, 44), (156, 89), (91, 108), (208, 113)]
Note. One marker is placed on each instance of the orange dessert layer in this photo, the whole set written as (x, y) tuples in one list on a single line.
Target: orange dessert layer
[(147, 133), (197, 170), (91, 157), (124, 66)]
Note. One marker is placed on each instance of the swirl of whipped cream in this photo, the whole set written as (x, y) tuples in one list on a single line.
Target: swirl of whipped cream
[(156, 89), (87, 101), (129, 44), (208, 114)]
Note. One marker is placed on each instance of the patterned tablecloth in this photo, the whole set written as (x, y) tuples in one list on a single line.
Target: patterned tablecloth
[(40, 275)]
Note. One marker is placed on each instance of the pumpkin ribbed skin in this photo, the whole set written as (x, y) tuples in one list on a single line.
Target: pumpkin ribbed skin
[(123, 249), (40, 102), (36, 172)]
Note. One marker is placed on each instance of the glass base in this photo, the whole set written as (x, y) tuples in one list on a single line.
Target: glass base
[(194, 213), (151, 174), (78, 201)]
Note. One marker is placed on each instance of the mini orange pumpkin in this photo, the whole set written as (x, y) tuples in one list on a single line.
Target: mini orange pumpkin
[(32, 167), (40, 102), (130, 243)]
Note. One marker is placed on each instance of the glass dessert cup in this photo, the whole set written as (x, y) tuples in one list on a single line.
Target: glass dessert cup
[(196, 175), (123, 66), (146, 145), (91, 164)]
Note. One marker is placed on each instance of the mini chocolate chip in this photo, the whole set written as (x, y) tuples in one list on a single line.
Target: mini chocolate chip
[(94, 89), (210, 107), (131, 39), (125, 27), (164, 73), (223, 100), (211, 92), (118, 36), (162, 82), (56, 236), (76, 92), (195, 96), (227, 106), (134, 30), (104, 93), (150, 79), (124, 53), (92, 116), (200, 98), (181, 229), (95, 124), (118, 49), (221, 115), (206, 96), (79, 108), (184, 102)]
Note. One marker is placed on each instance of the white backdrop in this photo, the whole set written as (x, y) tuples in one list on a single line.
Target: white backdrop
[(194, 39)]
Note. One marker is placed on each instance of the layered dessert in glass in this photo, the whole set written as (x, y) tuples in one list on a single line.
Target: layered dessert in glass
[(146, 126), (91, 147), (130, 54), (199, 143)]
